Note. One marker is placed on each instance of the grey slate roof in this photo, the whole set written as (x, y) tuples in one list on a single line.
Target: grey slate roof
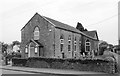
[(62, 25), (68, 27), (91, 33)]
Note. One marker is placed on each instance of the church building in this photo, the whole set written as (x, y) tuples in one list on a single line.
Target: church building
[(46, 37)]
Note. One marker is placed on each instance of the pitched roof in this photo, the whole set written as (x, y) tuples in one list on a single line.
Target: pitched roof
[(67, 27), (61, 25), (91, 33), (36, 42)]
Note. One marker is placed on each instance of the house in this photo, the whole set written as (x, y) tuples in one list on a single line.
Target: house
[(89, 45), (45, 37), (16, 48)]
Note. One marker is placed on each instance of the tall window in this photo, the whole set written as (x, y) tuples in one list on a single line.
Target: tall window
[(75, 47), (75, 44), (80, 44), (69, 39), (87, 45), (36, 50), (61, 42), (26, 49), (36, 33), (69, 43), (63, 55)]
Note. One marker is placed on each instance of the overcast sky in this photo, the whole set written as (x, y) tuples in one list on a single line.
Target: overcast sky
[(100, 15)]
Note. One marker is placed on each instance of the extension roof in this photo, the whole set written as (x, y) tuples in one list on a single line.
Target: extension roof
[(91, 33)]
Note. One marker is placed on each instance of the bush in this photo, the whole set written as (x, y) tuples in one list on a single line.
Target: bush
[(41, 64), (19, 62)]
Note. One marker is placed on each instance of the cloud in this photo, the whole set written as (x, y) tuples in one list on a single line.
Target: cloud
[(16, 13)]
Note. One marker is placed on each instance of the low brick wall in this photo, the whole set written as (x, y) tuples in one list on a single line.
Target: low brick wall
[(95, 65)]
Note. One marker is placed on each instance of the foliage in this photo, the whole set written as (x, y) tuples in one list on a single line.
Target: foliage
[(110, 47), (15, 43), (102, 46), (96, 65), (13, 54), (19, 61), (4, 47)]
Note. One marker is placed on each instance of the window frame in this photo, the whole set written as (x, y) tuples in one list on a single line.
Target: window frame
[(36, 50), (69, 43), (26, 49), (69, 47), (61, 42), (61, 47), (36, 33), (75, 44), (87, 45), (80, 44)]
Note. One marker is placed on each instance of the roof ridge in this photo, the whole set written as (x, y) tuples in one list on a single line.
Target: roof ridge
[(60, 22)]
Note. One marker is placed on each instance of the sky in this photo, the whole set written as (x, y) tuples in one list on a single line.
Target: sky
[(100, 15)]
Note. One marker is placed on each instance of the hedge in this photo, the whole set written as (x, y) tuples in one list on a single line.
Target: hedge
[(19, 61), (96, 65)]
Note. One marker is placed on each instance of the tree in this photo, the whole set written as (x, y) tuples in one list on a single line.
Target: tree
[(110, 47), (85, 29), (4, 51), (4, 47), (15, 43), (79, 27), (102, 47)]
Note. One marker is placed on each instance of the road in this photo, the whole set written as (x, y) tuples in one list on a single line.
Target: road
[(21, 73), (14, 72), (6, 72)]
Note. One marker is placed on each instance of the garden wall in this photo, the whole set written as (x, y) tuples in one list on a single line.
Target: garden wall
[(95, 65)]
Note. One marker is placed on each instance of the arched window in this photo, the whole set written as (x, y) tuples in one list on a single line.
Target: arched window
[(69, 43), (87, 45), (61, 42), (36, 33), (69, 38), (75, 44), (62, 36)]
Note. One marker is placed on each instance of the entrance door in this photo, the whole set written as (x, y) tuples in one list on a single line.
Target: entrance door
[(31, 52), (41, 53), (63, 55)]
